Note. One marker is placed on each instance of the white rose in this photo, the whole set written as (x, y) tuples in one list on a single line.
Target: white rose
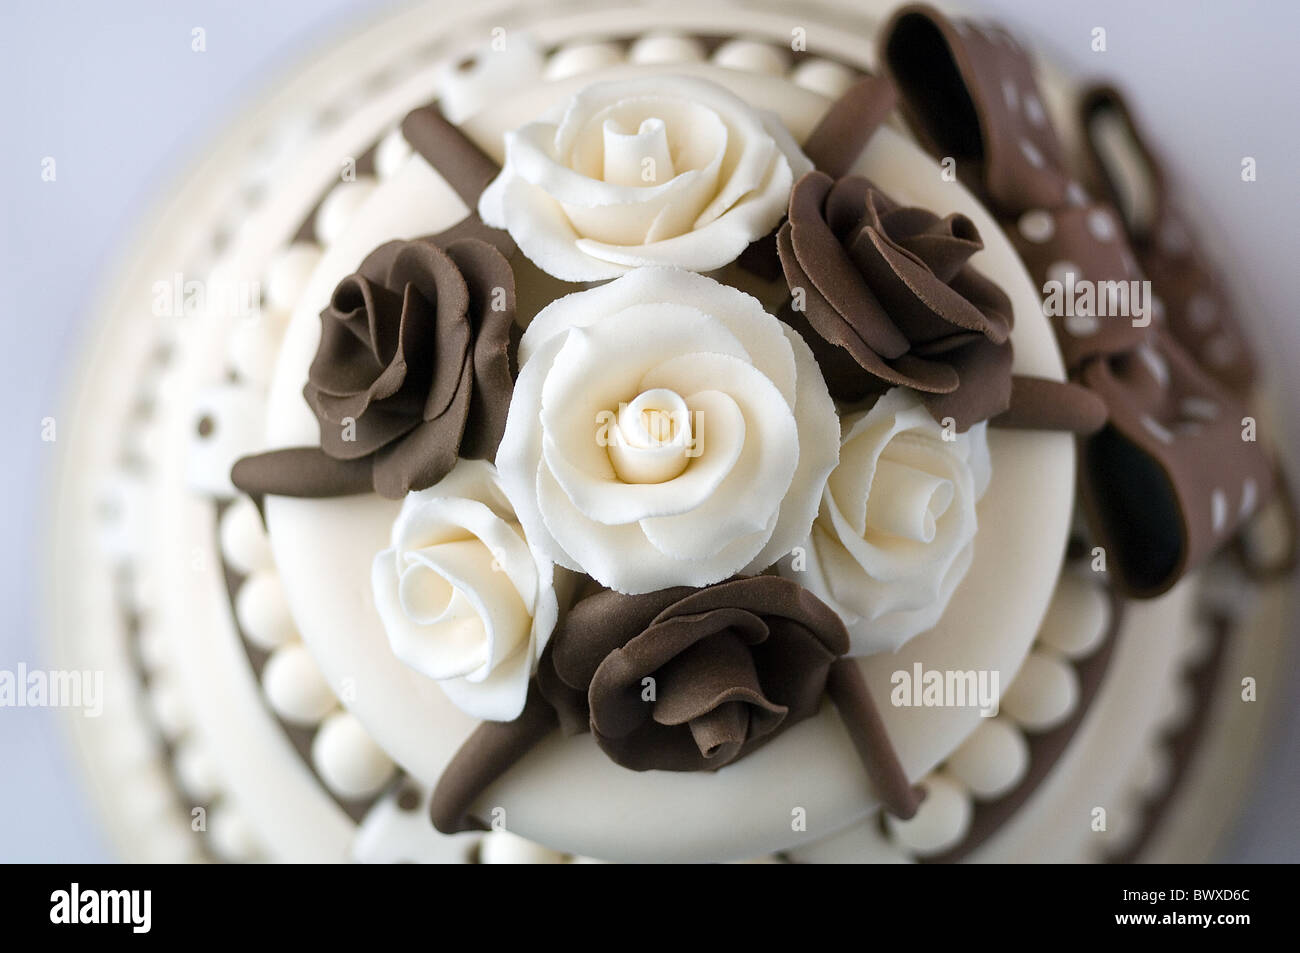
[(665, 430), (462, 596), (896, 529), (665, 170)]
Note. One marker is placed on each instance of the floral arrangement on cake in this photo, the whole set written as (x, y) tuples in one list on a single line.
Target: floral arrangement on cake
[(659, 512)]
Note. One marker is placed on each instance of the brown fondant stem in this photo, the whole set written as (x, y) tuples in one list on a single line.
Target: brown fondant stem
[(841, 135), (848, 691), (1041, 404), (491, 751), (464, 165), (300, 471)]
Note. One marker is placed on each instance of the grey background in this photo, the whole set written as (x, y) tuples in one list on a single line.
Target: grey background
[(114, 93)]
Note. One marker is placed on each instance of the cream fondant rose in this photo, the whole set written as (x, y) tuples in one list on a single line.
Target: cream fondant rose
[(669, 170), (665, 430), (896, 529), (462, 596)]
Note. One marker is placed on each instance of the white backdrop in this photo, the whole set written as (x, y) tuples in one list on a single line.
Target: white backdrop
[(114, 93)]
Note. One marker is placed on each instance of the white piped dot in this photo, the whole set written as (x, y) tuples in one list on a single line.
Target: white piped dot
[(823, 76), (752, 56), (295, 687), (288, 273), (340, 206), (1037, 226), (243, 540), (577, 58), (658, 48), (391, 154), (939, 823), (1078, 617), (347, 758), (263, 613), (1218, 510), (992, 760), (231, 836), (197, 772), (1044, 693)]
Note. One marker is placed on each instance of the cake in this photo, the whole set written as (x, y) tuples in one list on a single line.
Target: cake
[(589, 434)]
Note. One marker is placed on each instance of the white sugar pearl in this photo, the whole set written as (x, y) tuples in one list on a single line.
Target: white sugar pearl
[(1078, 617), (992, 760), (577, 58), (262, 612), (654, 48), (197, 772), (288, 273), (391, 153), (752, 56), (1043, 694), (340, 206), (254, 346), (502, 847), (939, 823), (1037, 226), (230, 835), (823, 76), (243, 539), (167, 702), (294, 686), (347, 759)]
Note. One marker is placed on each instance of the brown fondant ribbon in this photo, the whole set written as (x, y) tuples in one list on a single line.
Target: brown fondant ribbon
[(683, 680), (1170, 478), (1197, 311)]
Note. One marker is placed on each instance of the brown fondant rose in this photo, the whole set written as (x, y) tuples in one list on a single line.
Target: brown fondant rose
[(691, 679), (414, 369), (883, 295)]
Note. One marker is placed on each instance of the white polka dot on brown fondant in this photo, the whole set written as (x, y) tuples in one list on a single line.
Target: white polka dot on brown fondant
[(1058, 270), (1082, 325), (1199, 408), (1200, 311), (1249, 495), (1034, 111), (1100, 225), (1156, 364), (1010, 94), (1031, 153), (1075, 194), (1218, 510), (1037, 226), (1156, 429)]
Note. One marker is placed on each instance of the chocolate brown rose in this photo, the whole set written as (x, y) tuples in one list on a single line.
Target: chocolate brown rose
[(883, 295), (413, 370), (691, 679)]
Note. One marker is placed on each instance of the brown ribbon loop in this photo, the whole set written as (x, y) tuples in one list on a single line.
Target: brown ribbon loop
[(1170, 477), (1041, 404)]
